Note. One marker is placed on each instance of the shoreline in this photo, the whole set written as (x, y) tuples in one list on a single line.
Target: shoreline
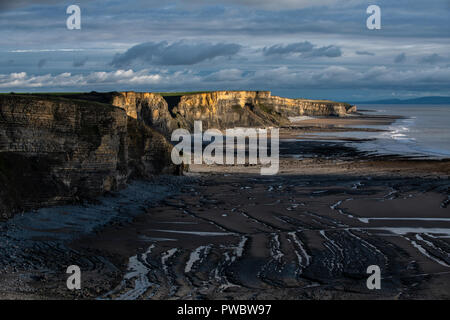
[(378, 135), (229, 233)]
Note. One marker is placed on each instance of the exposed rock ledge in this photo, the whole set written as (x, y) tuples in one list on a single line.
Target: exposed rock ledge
[(60, 148)]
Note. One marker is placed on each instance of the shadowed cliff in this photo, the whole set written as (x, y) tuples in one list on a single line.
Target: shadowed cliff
[(55, 150)]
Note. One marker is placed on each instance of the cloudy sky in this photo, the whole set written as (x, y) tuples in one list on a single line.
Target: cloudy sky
[(295, 48)]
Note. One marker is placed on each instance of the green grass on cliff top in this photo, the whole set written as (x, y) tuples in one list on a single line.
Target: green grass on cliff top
[(164, 94), (176, 94), (61, 97)]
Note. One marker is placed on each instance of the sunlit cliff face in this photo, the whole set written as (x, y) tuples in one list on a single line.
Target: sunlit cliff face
[(222, 109)]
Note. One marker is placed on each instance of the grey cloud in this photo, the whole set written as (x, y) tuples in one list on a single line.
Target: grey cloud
[(329, 51), (432, 59), (12, 4), (80, 62), (41, 63), (225, 75), (336, 77), (333, 77), (268, 5), (278, 49), (260, 4), (432, 79), (364, 53), (8, 4), (306, 49), (282, 4), (176, 53), (400, 58), (7, 62)]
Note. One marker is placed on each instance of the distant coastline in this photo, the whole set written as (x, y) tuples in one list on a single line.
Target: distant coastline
[(422, 100)]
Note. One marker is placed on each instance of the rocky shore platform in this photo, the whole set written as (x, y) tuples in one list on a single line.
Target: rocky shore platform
[(228, 233)]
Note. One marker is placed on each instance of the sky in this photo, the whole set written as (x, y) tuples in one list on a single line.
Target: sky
[(320, 49)]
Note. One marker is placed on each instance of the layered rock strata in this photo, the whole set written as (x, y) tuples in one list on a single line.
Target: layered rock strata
[(222, 109), (55, 150)]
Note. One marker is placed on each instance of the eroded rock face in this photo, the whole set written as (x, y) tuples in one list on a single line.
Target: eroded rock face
[(226, 109), (304, 107), (55, 150), (222, 109), (150, 108), (148, 151)]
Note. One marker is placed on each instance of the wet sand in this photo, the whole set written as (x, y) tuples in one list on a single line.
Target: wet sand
[(356, 120), (308, 233), (290, 236)]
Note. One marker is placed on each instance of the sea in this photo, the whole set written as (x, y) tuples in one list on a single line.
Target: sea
[(422, 132)]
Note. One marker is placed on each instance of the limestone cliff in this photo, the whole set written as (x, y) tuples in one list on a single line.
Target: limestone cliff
[(222, 109), (55, 150), (150, 108)]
